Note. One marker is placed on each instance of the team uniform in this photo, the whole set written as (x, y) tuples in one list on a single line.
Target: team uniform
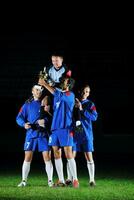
[(62, 134), (54, 74), (54, 78), (84, 139), (35, 139)]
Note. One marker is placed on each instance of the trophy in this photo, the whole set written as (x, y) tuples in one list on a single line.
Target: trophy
[(43, 74)]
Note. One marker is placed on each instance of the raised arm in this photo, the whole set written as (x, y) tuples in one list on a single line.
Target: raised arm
[(42, 82)]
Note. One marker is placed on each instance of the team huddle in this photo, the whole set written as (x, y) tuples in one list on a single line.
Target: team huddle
[(48, 118)]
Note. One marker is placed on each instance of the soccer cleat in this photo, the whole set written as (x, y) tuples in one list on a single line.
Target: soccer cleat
[(92, 184), (68, 182), (50, 184), (59, 184), (75, 183), (22, 184)]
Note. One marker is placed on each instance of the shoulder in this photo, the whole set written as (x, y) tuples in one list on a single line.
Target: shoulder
[(91, 105), (69, 93), (57, 92), (87, 103), (90, 101), (65, 67), (23, 107), (48, 68)]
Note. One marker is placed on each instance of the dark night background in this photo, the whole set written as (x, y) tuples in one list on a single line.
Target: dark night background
[(103, 62)]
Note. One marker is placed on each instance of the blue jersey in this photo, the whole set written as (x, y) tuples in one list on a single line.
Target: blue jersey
[(30, 112), (63, 110), (88, 114)]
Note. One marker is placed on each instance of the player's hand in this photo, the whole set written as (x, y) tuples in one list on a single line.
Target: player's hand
[(51, 84), (27, 125), (78, 104), (41, 82), (41, 122)]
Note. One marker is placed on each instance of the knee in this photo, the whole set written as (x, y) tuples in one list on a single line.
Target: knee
[(47, 158), (69, 155), (57, 154), (28, 158)]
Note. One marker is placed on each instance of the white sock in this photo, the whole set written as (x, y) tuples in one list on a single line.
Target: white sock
[(25, 170), (69, 176), (72, 167), (49, 170), (91, 170), (59, 169)]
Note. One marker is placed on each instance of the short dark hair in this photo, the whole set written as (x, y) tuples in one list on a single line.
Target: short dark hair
[(82, 87), (56, 54), (71, 83)]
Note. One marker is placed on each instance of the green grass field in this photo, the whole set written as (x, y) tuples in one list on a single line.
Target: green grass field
[(110, 186)]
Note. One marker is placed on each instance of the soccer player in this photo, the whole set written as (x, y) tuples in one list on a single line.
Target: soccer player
[(28, 118), (84, 139), (57, 70), (62, 134), (55, 73)]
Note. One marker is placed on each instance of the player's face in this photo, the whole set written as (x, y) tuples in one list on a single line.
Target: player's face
[(64, 84), (36, 93), (86, 93), (57, 61)]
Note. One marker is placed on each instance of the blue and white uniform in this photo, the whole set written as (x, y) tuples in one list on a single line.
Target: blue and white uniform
[(30, 112), (84, 140), (62, 134), (56, 74)]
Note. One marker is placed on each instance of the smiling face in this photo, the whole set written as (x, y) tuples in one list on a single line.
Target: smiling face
[(85, 92), (57, 61), (64, 84), (36, 93)]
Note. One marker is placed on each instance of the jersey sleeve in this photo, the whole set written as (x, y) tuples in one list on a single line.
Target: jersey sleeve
[(21, 118), (90, 112)]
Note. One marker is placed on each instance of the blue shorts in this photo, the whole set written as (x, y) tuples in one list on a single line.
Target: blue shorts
[(61, 138), (33, 144), (85, 146)]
